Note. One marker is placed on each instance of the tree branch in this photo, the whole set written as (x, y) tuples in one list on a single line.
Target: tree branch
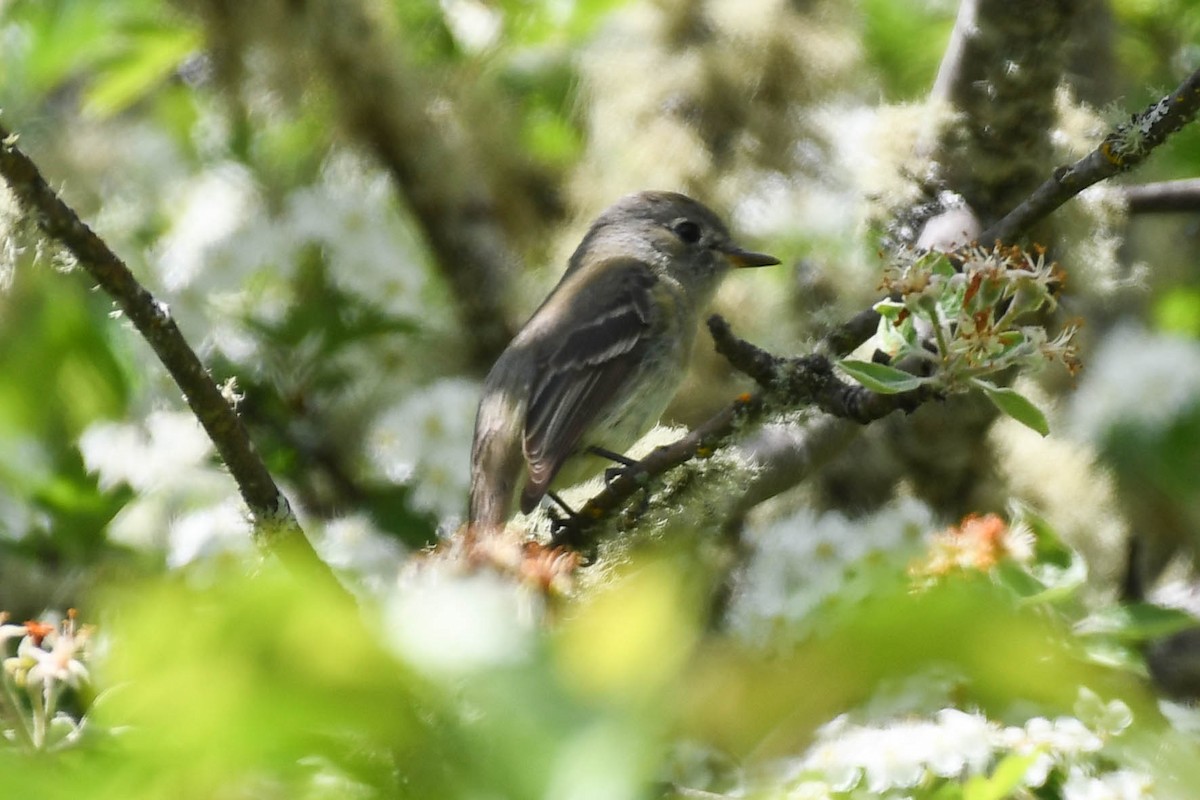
[(414, 133), (275, 526), (1164, 196), (1122, 149), (1001, 70), (808, 381), (785, 383), (574, 532)]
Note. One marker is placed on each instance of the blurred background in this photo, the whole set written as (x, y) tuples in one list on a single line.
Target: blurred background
[(350, 206)]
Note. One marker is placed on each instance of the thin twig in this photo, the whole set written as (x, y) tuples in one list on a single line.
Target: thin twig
[(1163, 196), (275, 526), (1122, 149), (574, 532)]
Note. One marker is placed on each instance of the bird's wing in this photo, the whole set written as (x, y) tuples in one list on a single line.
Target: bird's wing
[(586, 370)]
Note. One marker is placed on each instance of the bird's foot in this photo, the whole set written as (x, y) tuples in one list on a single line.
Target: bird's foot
[(566, 530)]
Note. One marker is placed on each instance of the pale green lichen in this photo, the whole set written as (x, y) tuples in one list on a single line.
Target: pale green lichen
[(11, 245)]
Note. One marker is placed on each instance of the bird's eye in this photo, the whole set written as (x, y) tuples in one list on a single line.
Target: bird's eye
[(687, 231)]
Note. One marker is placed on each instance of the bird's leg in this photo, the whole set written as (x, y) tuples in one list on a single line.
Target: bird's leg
[(612, 473), (566, 523), (562, 525), (562, 504)]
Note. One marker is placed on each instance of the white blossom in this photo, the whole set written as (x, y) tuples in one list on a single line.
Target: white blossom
[(184, 502), (426, 441), (444, 623), (354, 543), (475, 26), (1135, 376), (214, 205), (1117, 785), (206, 532), (899, 754), (802, 559), (893, 756), (144, 456)]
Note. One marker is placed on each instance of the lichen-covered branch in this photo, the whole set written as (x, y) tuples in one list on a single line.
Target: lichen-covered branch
[(808, 381), (274, 523), (575, 531), (1122, 149), (785, 383)]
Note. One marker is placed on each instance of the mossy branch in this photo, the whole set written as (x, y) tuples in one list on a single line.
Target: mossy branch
[(784, 383), (1122, 149), (275, 525)]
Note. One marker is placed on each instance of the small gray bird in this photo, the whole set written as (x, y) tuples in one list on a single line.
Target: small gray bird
[(597, 363)]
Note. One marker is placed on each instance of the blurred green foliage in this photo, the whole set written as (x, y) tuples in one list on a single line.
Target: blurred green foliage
[(224, 684), (1152, 36), (262, 684), (1178, 311), (64, 371), (142, 60), (904, 43)]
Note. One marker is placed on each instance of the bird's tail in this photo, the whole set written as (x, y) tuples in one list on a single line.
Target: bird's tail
[(497, 464)]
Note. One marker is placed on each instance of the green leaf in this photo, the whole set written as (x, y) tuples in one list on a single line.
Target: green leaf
[(880, 377), (1136, 622), (1049, 547), (152, 56), (1114, 655), (1018, 579), (937, 263), (896, 334), (1004, 780), (1062, 583), (890, 309), (1015, 405)]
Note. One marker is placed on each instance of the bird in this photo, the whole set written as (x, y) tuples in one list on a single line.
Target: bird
[(599, 360)]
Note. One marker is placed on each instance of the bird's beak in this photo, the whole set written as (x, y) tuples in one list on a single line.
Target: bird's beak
[(744, 258)]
